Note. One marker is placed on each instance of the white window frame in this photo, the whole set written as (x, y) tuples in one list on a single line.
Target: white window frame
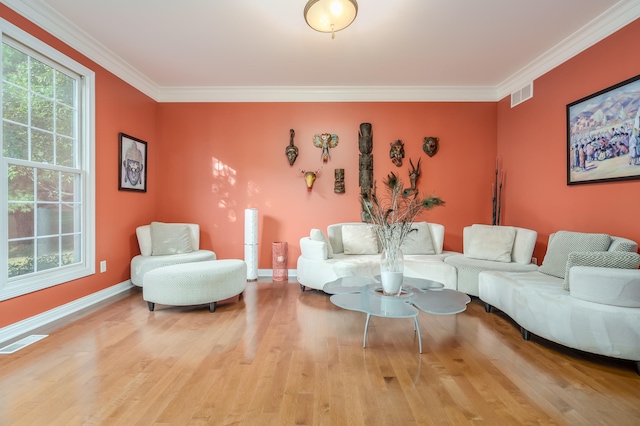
[(17, 286)]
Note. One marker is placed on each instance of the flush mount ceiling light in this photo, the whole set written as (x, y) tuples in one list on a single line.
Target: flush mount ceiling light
[(329, 16)]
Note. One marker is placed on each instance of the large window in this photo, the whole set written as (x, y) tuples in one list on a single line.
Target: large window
[(47, 157)]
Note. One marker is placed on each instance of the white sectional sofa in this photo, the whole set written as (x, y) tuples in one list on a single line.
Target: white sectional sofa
[(487, 247), (324, 259), (591, 307)]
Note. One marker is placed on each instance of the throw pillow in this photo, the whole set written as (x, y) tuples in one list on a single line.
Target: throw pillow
[(623, 244), (603, 259), (170, 238), (359, 239), (419, 240), (491, 242), (564, 242), (318, 235)]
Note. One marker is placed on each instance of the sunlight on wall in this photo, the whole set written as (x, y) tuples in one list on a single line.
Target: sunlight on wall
[(224, 181), (253, 188)]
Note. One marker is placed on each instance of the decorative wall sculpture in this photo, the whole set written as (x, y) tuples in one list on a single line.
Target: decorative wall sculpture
[(291, 150), (414, 174), (365, 178), (338, 187), (430, 145), (310, 177), (325, 141), (365, 145), (396, 153)]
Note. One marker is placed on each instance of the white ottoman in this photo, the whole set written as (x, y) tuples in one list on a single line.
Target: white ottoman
[(195, 283)]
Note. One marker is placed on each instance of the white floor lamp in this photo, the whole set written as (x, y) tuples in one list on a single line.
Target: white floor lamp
[(251, 243)]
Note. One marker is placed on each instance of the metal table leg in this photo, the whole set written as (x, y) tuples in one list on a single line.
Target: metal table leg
[(417, 327), (366, 327)]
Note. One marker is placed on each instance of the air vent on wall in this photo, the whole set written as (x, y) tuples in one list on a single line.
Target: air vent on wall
[(522, 95)]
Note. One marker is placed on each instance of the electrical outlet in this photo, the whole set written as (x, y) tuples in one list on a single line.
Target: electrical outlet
[(103, 266)]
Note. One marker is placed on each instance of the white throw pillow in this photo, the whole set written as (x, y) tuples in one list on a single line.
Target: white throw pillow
[(489, 242), (359, 239), (564, 242), (170, 238), (418, 241), (318, 235)]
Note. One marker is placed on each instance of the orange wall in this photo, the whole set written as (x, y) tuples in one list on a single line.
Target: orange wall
[(219, 158), (208, 162), (532, 142), (119, 108)]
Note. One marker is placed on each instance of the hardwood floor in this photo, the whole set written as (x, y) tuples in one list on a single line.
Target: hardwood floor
[(282, 357)]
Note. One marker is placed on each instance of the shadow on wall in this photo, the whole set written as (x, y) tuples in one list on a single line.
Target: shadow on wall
[(271, 228)]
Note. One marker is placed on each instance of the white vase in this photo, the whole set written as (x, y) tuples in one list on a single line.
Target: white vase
[(391, 271)]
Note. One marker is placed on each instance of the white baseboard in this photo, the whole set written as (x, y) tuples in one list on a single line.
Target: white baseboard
[(292, 273), (28, 325)]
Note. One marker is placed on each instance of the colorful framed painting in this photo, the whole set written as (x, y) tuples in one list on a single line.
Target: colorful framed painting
[(132, 163), (603, 135)]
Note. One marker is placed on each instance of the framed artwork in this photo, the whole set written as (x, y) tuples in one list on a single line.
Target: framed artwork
[(603, 135), (132, 161)]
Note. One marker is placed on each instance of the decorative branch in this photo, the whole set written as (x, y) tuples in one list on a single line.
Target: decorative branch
[(394, 213)]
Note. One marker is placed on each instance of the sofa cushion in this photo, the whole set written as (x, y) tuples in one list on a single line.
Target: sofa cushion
[(491, 242), (359, 239), (170, 238), (318, 235), (564, 242), (419, 241), (615, 287), (603, 259)]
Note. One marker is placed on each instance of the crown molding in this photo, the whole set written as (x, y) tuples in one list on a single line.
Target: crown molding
[(47, 18), (60, 27), (328, 94), (610, 21)]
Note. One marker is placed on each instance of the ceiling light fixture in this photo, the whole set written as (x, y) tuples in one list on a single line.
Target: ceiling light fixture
[(329, 16)]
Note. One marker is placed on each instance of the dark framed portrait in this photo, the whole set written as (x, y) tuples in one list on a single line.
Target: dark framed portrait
[(603, 135), (132, 164)]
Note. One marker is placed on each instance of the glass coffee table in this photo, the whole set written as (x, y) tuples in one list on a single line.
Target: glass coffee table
[(364, 294)]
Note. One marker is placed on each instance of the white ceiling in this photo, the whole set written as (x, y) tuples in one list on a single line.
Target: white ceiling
[(187, 50)]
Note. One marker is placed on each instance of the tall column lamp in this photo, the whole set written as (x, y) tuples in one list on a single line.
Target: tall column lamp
[(251, 243)]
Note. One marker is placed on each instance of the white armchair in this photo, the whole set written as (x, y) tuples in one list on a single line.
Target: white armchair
[(164, 244), (492, 248)]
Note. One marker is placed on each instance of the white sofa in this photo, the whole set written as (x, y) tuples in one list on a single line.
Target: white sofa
[(186, 249), (599, 313), (510, 250), (315, 268)]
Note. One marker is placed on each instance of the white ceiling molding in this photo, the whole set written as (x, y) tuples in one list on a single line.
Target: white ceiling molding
[(60, 27), (50, 20), (620, 15), (327, 94)]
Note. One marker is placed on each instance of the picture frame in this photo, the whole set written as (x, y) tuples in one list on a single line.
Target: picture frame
[(132, 164), (603, 135)]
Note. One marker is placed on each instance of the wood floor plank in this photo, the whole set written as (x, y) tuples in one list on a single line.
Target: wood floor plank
[(284, 357)]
